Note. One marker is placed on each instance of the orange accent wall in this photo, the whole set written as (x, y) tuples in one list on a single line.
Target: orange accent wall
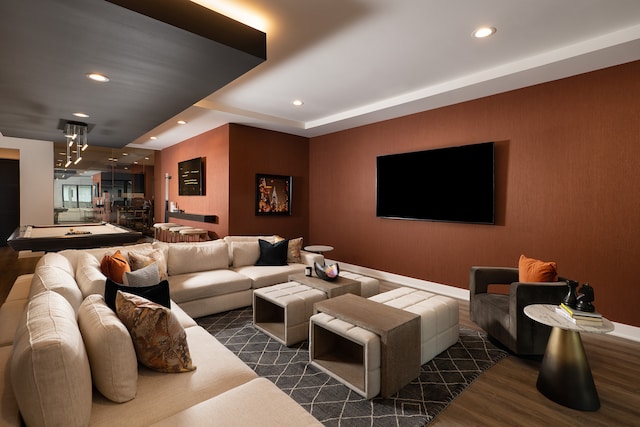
[(234, 155), (567, 179), (214, 147), (255, 151)]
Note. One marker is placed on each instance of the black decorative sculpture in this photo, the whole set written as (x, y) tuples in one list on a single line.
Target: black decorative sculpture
[(584, 301), (571, 298), (327, 272)]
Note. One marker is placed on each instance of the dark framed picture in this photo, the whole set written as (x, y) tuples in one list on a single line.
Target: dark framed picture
[(273, 194)]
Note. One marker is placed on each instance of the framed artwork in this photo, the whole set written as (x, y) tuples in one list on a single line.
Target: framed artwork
[(273, 194)]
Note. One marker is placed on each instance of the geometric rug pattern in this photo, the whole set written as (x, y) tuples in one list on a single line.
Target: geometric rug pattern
[(441, 380)]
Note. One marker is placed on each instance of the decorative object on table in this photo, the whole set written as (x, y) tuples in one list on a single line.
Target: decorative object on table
[(273, 194), (571, 298), (584, 301), (327, 272), (308, 271)]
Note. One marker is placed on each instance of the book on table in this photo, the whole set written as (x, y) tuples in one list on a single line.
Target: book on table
[(584, 321), (579, 313)]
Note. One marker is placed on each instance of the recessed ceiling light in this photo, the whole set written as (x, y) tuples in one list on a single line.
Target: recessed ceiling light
[(297, 103), (97, 77), (125, 154), (79, 114), (153, 137), (483, 32), (182, 122)]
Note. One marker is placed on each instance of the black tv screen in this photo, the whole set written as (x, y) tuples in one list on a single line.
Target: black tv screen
[(191, 177), (454, 184)]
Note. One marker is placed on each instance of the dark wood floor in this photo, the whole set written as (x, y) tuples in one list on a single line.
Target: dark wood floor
[(506, 394)]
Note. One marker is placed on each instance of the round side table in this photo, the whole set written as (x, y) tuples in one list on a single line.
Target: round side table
[(318, 249), (565, 376)]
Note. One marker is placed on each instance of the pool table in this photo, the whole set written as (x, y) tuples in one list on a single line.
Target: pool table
[(51, 238)]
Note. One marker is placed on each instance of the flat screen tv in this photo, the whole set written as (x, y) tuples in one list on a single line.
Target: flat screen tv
[(191, 177), (454, 184)]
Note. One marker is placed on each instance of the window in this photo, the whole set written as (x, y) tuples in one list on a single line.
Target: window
[(76, 196)]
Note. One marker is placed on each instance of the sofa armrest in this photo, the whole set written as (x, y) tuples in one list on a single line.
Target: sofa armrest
[(308, 258), (481, 277)]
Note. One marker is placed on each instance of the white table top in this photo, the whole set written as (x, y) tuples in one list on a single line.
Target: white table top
[(546, 314), (318, 248)]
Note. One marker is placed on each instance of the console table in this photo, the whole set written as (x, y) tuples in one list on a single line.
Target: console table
[(565, 376), (399, 333)]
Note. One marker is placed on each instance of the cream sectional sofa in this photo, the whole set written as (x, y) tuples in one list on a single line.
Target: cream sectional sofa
[(62, 350)]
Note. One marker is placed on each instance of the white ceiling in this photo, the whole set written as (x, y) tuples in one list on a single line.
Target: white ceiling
[(355, 62)]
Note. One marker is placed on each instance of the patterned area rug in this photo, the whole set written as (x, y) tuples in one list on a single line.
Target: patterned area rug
[(334, 404)]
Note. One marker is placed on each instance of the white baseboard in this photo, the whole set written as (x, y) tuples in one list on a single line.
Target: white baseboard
[(621, 330)]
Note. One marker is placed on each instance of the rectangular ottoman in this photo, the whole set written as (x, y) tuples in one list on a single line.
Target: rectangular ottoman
[(346, 352), (439, 317), (282, 311)]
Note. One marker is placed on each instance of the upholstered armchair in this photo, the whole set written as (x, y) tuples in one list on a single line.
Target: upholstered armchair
[(502, 316)]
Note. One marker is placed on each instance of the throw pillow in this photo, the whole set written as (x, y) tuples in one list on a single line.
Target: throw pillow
[(114, 266), (114, 367), (157, 293), (293, 254), (138, 260), (273, 253), (245, 253), (145, 276), (533, 270), (158, 337)]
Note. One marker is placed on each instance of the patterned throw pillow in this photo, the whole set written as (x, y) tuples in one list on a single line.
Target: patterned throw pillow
[(138, 260), (114, 266), (158, 337)]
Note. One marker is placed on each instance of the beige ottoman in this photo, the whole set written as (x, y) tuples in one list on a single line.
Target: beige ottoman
[(368, 285), (282, 311), (346, 352), (438, 316)]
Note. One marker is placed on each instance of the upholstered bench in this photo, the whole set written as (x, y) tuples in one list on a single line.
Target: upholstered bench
[(368, 285), (439, 317), (346, 352), (282, 311)]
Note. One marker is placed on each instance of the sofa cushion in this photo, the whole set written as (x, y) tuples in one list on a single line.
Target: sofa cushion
[(190, 259), (245, 253), (266, 276), (204, 284), (10, 315), (50, 371), (272, 254), (57, 260), (533, 270), (89, 277), (161, 395), (231, 239), (158, 293), (158, 337), (48, 277), (145, 276), (9, 412), (114, 266), (250, 404), (138, 260), (114, 367)]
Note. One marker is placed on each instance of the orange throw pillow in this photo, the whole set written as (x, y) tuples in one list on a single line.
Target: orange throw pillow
[(533, 270), (114, 266)]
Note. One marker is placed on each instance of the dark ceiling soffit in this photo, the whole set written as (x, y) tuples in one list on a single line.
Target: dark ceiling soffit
[(204, 22)]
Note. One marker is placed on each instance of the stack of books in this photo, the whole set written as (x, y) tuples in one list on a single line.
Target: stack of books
[(578, 317)]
